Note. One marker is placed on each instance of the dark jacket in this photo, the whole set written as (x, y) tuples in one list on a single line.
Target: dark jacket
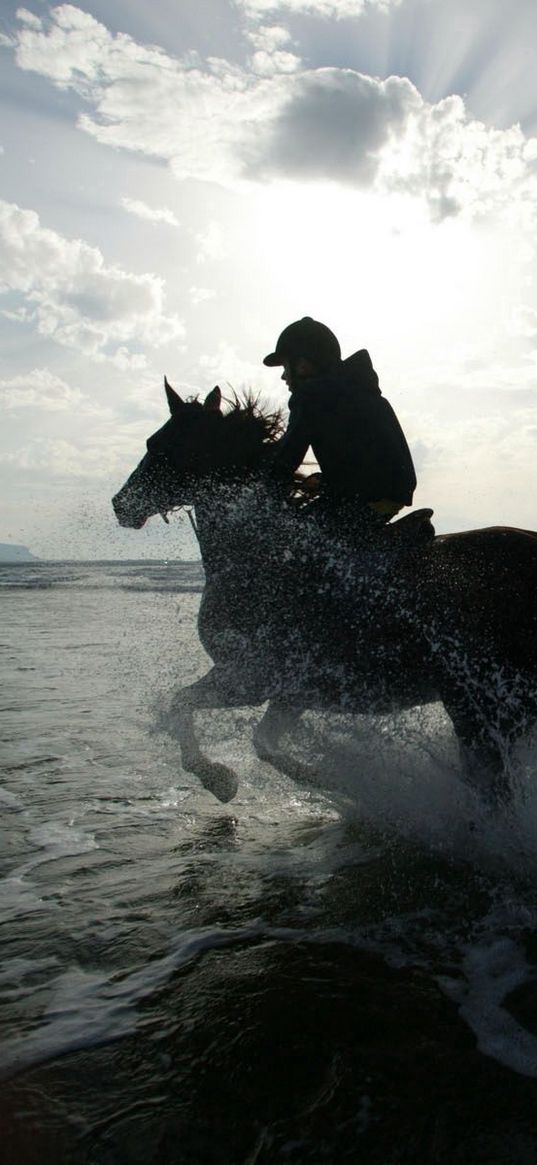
[(354, 433)]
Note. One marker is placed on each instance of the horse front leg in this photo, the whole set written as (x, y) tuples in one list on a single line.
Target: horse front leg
[(206, 693)]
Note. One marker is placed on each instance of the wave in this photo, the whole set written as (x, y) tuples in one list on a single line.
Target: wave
[(183, 577)]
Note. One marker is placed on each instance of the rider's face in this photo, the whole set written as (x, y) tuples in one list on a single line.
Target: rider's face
[(287, 375), (296, 371)]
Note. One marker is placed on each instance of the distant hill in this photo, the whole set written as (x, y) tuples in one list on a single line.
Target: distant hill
[(12, 552)]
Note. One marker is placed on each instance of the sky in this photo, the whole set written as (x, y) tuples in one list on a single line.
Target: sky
[(182, 179)]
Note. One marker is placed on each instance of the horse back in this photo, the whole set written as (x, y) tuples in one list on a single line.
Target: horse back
[(487, 580)]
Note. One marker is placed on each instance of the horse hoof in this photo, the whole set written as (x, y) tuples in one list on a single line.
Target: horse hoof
[(221, 782)]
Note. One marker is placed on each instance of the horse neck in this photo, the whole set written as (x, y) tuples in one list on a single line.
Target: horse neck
[(230, 517)]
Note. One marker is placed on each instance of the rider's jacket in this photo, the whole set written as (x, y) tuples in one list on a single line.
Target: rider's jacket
[(354, 434)]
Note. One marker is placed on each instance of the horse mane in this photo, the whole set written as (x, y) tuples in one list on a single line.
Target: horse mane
[(246, 410), (249, 420)]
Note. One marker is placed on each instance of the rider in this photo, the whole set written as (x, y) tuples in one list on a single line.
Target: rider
[(336, 406)]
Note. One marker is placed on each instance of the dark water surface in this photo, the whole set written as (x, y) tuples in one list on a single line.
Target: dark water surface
[(345, 972)]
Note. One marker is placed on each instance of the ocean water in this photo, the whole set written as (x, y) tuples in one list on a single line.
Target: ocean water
[(341, 970)]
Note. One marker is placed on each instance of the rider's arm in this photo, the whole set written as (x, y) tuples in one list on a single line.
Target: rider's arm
[(290, 450)]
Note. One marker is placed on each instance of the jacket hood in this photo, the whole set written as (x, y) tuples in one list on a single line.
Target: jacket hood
[(356, 372), (358, 369)]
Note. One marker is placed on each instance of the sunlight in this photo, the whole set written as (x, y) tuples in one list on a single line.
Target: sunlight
[(376, 266)]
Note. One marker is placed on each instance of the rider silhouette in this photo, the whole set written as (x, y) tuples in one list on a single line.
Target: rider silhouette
[(336, 407)]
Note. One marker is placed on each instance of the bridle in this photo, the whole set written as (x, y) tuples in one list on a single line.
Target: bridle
[(189, 511)]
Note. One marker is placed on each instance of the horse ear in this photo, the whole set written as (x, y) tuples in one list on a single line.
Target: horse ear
[(213, 401), (174, 400)]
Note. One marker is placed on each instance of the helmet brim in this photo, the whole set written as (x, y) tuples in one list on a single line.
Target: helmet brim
[(273, 360)]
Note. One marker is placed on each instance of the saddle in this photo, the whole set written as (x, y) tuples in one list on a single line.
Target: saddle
[(413, 529)]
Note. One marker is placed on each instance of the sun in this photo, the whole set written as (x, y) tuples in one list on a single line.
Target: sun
[(377, 269)]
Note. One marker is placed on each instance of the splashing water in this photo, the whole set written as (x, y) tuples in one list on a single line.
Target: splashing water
[(374, 923)]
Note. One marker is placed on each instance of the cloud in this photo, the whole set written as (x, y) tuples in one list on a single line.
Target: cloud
[(523, 322), (217, 121), (28, 18), (266, 64), (143, 99), (74, 297), (96, 449), (199, 295), (150, 213), (269, 38), (225, 366), (211, 242), (326, 9), (334, 124), (340, 125), (41, 389), (60, 459), (272, 54), (459, 164)]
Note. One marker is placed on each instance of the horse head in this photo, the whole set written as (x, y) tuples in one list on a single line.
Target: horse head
[(198, 446)]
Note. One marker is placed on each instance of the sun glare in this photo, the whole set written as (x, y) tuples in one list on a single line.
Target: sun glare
[(376, 267)]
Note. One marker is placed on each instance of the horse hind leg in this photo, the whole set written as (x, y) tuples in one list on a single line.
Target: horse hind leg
[(485, 751), (281, 717), (487, 770)]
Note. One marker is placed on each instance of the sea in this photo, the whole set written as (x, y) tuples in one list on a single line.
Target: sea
[(338, 970)]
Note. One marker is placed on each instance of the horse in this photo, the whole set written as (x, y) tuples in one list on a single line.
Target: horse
[(297, 616)]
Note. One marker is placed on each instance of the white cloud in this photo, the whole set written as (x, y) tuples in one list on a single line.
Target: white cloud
[(76, 45), (269, 38), (42, 391), (128, 361), (199, 295), (65, 450), (327, 9), (217, 121), (28, 18), (75, 298), (225, 366), (523, 322), (341, 125), (212, 244), (61, 458), (39, 389), (266, 64), (149, 213), (272, 54), (20, 315), (144, 99), (460, 164)]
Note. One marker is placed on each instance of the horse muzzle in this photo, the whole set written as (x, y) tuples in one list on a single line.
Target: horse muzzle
[(128, 514)]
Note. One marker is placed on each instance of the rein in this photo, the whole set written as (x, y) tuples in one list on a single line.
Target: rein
[(192, 521)]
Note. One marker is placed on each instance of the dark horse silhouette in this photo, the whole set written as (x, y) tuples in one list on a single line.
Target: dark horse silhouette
[(294, 616)]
